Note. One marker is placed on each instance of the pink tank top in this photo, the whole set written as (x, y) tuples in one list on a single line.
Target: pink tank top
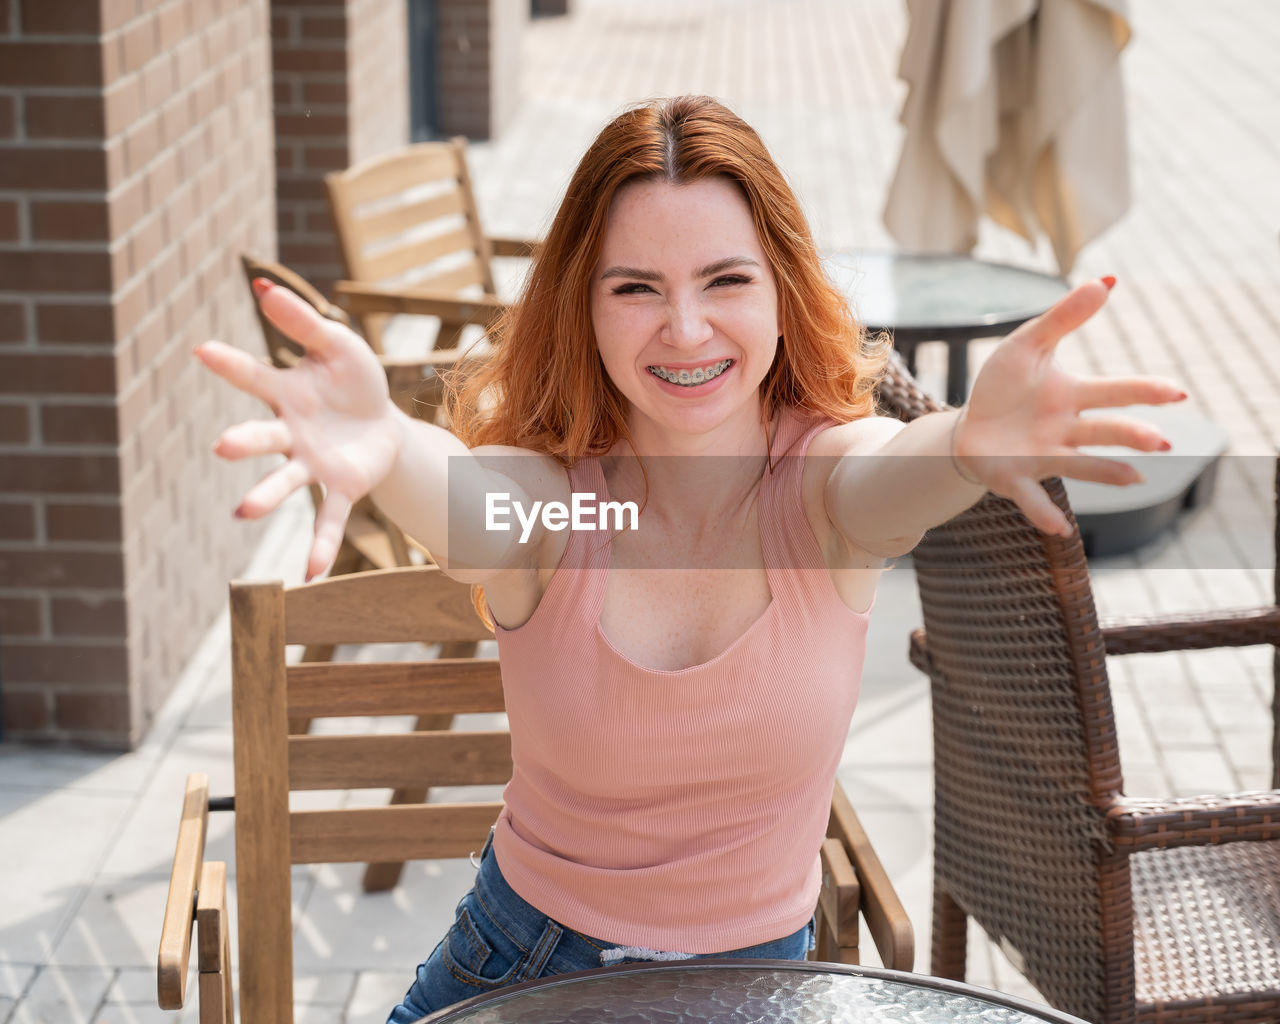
[(680, 810)]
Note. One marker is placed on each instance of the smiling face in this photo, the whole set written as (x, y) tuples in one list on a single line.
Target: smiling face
[(685, 310)]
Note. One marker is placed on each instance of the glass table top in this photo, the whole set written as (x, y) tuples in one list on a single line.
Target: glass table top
[(729, 993), (921, 292)]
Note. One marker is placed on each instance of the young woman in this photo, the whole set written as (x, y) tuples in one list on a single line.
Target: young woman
[(679, 695)]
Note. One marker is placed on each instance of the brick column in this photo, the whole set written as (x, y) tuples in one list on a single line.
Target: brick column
[(135, 163), (478, 77), (341, 77)]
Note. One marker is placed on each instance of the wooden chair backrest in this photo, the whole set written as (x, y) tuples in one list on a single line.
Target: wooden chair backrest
[(410, 218), (392, 606)]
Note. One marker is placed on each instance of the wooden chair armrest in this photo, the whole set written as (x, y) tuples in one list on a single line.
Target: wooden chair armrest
[(180, 906), (886, 918), (213, 940), (502, 245), (359, 299), (1193, 632), (1193, 821)]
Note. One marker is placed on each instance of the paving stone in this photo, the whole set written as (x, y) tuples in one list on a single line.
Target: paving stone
[(63, 995)]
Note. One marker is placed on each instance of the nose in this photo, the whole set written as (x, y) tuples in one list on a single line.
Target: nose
[(687, 325)]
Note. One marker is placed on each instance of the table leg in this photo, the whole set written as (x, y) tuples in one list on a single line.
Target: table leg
[(957, 370)]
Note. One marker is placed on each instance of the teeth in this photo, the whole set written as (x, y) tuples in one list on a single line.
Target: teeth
[(690, 378)]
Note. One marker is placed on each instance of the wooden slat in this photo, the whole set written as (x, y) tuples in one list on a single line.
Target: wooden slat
[(454, 280), (388, 607), (179, 907), (213, 929), (408, 832), (396, 172), (349, 689), (839, 898), (421, 252), (260, 729), (387, 223), (390, 761), (360, 298), (483, 248), (886, 918)]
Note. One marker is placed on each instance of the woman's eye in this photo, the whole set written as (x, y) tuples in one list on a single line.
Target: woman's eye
[(724, 279), (632, 288)]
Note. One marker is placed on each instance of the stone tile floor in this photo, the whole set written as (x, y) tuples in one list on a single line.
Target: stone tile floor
[(86, 838)]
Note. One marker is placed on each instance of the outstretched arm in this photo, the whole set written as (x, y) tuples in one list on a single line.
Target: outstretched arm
[(337, 426), (1022, 423)]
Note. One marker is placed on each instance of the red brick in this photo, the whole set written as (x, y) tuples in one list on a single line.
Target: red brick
[(324, 94), (72, 221), (86, 616), (326, 27), (13, 323), (28, 568), (91, 664), (83, 521), (26, 709), (326, 158), (15, 424), (41, 373), (9, 226), (309, 59), (78, 424), (93, 712), (8, 116), (80, 323), (65, 167), (59, 474), (65, 117), (17, 520), (61, 17), (21, 616), (64, 64)]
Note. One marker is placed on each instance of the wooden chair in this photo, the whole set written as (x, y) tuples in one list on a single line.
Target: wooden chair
[(1117, 909), (382, 607), (409, 219)]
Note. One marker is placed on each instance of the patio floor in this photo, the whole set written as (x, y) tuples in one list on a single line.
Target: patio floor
[(1199, 263)]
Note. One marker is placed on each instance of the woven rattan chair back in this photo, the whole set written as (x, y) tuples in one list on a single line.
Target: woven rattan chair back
[(1024, 741)]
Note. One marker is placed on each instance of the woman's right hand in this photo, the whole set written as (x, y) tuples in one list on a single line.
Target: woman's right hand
[(335, 422)]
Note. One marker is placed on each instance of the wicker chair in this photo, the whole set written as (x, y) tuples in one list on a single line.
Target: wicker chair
[(1116, 909)]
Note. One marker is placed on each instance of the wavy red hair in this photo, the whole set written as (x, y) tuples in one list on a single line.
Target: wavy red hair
[(545, 387)]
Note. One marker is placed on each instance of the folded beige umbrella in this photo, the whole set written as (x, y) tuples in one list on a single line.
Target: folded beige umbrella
[(1015, 110)]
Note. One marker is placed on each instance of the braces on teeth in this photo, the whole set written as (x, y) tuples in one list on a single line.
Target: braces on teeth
[(689, 378)]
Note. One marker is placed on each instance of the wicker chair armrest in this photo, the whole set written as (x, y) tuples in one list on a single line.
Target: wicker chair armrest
[(359, 299), (918, 653), (180, 906), (504, 246), (1136, 824), (1194, 632)]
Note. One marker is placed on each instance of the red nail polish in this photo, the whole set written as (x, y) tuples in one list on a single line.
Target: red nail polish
[(1165, 446), (1109, 281), (261, 286)]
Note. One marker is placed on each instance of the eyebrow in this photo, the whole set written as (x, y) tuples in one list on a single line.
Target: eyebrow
[(719, 266)]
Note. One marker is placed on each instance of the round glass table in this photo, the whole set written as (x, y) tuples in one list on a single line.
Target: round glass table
[(744, 992), (920, 297)]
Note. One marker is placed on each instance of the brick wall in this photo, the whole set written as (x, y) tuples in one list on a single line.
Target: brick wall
[(341, 96), (135, 162), (478, 75)]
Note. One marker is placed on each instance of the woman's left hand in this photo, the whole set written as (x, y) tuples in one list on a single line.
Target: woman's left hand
[(1023, 420)]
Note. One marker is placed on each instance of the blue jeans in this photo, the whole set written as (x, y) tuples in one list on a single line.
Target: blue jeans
[(498, 939)]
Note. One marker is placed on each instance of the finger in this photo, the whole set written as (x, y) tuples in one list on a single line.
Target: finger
[(240, 369), (1116, 430), (256, 437), (331, 522), (297, 319), (1038, 507), (1108, 392), (267, 494), (1064, 316)]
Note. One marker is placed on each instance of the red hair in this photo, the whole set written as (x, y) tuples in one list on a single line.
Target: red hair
[(545, 387)]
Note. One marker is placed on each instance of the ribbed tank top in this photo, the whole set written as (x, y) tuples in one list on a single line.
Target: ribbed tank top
[(680, 810)]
